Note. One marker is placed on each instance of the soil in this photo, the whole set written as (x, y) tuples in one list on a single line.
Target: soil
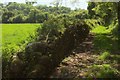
[(78, 64)]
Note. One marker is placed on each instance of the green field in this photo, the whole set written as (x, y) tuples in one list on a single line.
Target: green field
[(16, 36)]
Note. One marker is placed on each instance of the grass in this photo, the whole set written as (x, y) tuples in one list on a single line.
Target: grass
[(15, 33), (104, 55), (16, 36), (107, 46), (115, 58), (104, 39), (103, 71)]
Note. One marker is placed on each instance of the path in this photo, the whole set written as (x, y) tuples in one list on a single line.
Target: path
[(78, 64)]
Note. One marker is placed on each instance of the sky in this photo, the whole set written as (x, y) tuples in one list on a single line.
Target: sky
[(81, 4)]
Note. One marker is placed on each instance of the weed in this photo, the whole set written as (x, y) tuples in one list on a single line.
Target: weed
[(104, 56), (103, 71)]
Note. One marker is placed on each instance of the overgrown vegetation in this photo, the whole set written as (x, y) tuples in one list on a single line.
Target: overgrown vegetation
[(30, 50), (103, 71)]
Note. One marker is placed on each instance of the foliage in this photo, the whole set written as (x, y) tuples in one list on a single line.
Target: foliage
[(72, 36), (114, 58), (104, 55), (80, 14), (107, 11), (93, 23), (100, 30), (6, 16), (90, 7), (18, 12), (17, 19), (104, 39), (102, 43), (51, 30), (103, 71), (101, 17)]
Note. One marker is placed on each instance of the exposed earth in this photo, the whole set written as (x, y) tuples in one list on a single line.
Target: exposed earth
[(79, 64)]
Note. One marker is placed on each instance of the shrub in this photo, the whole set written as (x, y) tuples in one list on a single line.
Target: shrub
[(51, 30)]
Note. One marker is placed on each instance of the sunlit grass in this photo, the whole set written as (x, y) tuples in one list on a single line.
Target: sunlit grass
[(106, 44), (15, 33), (16, 36)]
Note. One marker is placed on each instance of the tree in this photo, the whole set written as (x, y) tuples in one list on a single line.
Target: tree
[(30, 2), (17, 19), (118, 4), (107, 11), (6, 16), (80, 14), (1, 6), (91, 13)]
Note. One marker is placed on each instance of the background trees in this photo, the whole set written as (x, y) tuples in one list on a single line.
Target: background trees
[(106, 11), (57, 21), (24, 13)]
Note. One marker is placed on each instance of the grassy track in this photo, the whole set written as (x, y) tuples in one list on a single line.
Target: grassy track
[(16, 36)]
